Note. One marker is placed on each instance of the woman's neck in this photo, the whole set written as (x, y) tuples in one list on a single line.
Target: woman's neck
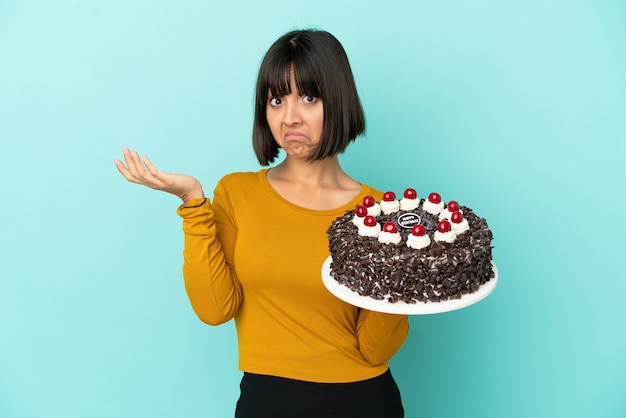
[(316, 185), (310, 174)]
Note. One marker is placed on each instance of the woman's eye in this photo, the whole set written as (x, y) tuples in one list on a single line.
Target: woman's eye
[(275, 101), (310, 99)]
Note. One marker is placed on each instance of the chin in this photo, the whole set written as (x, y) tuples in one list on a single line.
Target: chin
[(299, 152)]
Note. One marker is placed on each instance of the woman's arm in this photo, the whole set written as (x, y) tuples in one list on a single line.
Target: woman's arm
[(211, 284), (212, 287), (380, 335)]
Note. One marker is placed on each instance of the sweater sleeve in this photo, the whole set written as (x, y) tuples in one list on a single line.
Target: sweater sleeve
[(210, 280), (380, 335)]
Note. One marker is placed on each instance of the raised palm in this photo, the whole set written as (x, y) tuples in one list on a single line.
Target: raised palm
[(140, 170)]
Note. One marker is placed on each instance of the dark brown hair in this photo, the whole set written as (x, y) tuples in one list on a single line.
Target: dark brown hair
[(321, 69)]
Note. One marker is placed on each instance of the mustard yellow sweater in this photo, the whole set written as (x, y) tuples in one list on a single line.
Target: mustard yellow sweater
[(253, 256)]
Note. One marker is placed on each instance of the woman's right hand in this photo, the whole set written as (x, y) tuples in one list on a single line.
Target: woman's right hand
[(142, 171)]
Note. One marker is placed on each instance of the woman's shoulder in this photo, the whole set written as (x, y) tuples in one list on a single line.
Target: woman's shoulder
[(240, 178), (241, 183), (241, 188), (371, 191)]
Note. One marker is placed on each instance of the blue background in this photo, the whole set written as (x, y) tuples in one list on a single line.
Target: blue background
[(517, 109)]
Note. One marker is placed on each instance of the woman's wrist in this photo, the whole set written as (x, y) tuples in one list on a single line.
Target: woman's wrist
[(195, 194), (196, 202)]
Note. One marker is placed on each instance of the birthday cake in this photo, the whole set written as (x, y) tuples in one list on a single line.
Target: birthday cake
[(411, 250)]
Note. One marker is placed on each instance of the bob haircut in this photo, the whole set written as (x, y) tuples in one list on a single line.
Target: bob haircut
[(321, 69)]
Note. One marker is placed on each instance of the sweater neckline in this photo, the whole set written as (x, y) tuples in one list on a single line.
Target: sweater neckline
[(319, 212)]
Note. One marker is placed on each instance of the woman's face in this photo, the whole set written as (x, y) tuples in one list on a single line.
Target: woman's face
[(296, 122)]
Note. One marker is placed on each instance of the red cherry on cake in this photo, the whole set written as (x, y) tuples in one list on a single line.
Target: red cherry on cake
[(361, 211), (410, 193), (444, 226), (418, 230), (453, 206), (368, 201), (456, 217), (369, 221), (389, 196), (390, 227), (434, 198)]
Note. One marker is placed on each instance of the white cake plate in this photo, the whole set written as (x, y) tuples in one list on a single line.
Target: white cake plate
[(418, 308)]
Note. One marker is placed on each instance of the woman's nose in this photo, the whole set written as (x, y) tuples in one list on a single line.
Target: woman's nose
[(292, 113)]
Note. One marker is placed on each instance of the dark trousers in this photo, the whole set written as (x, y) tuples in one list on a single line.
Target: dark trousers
[(277, 397)]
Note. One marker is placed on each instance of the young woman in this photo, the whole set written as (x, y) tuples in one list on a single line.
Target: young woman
[(254, 252)]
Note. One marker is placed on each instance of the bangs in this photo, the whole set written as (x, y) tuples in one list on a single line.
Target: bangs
[(278, 83)]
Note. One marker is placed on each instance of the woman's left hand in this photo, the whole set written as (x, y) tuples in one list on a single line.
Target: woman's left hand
[(142, 171)]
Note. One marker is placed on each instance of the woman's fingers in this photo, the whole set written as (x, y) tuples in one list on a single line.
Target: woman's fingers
[(150, 168), (136, 171), (135, 167), (129, 168), (140, 170), (125, 171), (155, 178)]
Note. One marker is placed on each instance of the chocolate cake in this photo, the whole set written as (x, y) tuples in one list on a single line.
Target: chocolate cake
[(411, 250)]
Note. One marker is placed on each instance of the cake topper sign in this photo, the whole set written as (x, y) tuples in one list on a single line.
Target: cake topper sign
[(408, 220)]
